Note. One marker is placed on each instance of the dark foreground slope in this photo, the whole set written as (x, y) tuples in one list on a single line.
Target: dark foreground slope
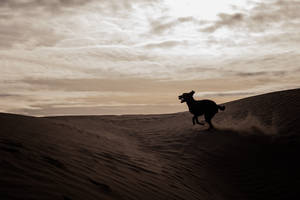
[(252, 154)]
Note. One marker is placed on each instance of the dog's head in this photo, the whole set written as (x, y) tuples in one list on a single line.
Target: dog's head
[(186, 96)]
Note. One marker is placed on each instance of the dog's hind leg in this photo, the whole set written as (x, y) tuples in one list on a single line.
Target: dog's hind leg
[(194, 120), (198, 121), (208, 118)]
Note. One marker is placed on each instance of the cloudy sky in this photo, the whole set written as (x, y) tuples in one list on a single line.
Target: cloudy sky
[(136, 56)]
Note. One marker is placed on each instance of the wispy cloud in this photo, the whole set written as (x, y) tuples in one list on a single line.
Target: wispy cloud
[(7, 95), (228, 20), (166, 44), (164, 25), (262, 17)]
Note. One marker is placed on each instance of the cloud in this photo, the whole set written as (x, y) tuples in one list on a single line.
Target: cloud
[(7, 95), (57, 6), (165, 44), (50, 110), (18, 32), (166, 24), (225, 94), (48, 5), (159, 27), (42, 23), (26, 24), (262, 73), (132, 85), (262, 17), (225, 20), (108, 85)]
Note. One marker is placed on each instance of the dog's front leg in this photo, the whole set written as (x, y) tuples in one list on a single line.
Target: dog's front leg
[(194, 120)]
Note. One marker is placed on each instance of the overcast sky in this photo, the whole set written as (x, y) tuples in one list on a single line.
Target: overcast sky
[(137, 56)]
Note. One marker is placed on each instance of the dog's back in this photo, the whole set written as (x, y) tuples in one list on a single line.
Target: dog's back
[(204, 107)]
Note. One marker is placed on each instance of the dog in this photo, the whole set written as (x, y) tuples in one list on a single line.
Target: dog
[(206, 107)]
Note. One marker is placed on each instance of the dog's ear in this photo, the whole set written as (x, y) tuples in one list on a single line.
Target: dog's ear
[(192, 92)]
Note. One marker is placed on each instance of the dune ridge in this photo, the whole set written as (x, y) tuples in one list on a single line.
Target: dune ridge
[(252, 154)]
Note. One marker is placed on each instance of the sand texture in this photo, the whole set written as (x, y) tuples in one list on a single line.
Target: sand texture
[(252, 154)]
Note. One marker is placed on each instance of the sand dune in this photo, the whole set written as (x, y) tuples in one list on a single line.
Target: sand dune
[(252, 154)]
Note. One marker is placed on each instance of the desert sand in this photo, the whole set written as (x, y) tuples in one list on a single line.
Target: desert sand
[(252, 154)]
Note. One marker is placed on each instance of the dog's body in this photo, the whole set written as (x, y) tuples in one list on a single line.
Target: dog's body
[(208, 108)]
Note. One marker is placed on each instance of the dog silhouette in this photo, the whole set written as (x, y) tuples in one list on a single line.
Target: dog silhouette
[(206, 107)]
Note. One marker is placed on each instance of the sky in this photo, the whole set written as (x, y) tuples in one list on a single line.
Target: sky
[(64, 57)]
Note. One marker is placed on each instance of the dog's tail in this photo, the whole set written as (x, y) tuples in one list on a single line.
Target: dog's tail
[(221, 107)]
